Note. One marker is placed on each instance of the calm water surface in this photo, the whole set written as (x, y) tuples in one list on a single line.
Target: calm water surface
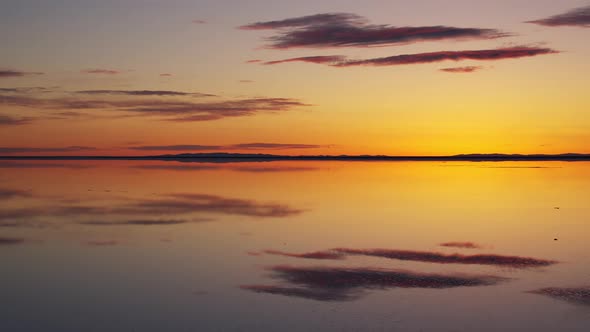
[(294, 246)]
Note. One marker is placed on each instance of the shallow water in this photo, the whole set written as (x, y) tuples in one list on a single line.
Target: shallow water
[(294, 246)]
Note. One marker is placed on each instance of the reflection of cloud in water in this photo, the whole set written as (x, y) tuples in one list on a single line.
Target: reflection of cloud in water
[(102, 243), (463, 245), (142, 222), (328, 254), (146, 211), (42, 165), (578, 295), (6, 193), (345, 284), (423, 256), (4, 241), (237, 168)]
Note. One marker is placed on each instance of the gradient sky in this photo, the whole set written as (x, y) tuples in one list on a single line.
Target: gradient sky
[(104, 77)]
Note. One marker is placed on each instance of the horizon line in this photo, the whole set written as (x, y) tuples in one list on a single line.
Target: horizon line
[(213, 156)]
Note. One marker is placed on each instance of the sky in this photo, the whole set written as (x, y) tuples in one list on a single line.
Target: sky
[(419, 77)]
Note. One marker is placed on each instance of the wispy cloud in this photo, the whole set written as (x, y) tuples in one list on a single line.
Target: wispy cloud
[(431, 57), (579, 17), (144, 93), (351, 30), (162, 107), (199, 22), (10, 150), (8, 73), (166, 75), (460, 70), (346, 284), (274, 146), (321, 59), (101, 71), (242, 146)]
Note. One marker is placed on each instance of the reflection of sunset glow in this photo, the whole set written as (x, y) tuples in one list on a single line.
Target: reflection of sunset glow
[(172, 165)]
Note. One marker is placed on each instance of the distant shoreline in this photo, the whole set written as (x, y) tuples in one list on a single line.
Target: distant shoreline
[(236, 157)]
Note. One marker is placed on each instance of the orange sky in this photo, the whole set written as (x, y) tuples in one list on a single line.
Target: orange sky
[(138, 78)]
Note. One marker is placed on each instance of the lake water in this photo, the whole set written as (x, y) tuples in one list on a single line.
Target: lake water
[(294, 246)]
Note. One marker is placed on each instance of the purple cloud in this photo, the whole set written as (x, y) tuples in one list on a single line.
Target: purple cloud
[(310, 20), (351, 30), (165, 109), (320, 59), (579, 17), (421, 58)]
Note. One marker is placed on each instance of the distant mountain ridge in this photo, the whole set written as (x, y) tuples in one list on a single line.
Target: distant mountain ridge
[(229, 157)]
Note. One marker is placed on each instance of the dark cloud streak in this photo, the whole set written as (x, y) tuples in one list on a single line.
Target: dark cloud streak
[(422, 58), (579, 17), (144, 93), (351, 30)]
